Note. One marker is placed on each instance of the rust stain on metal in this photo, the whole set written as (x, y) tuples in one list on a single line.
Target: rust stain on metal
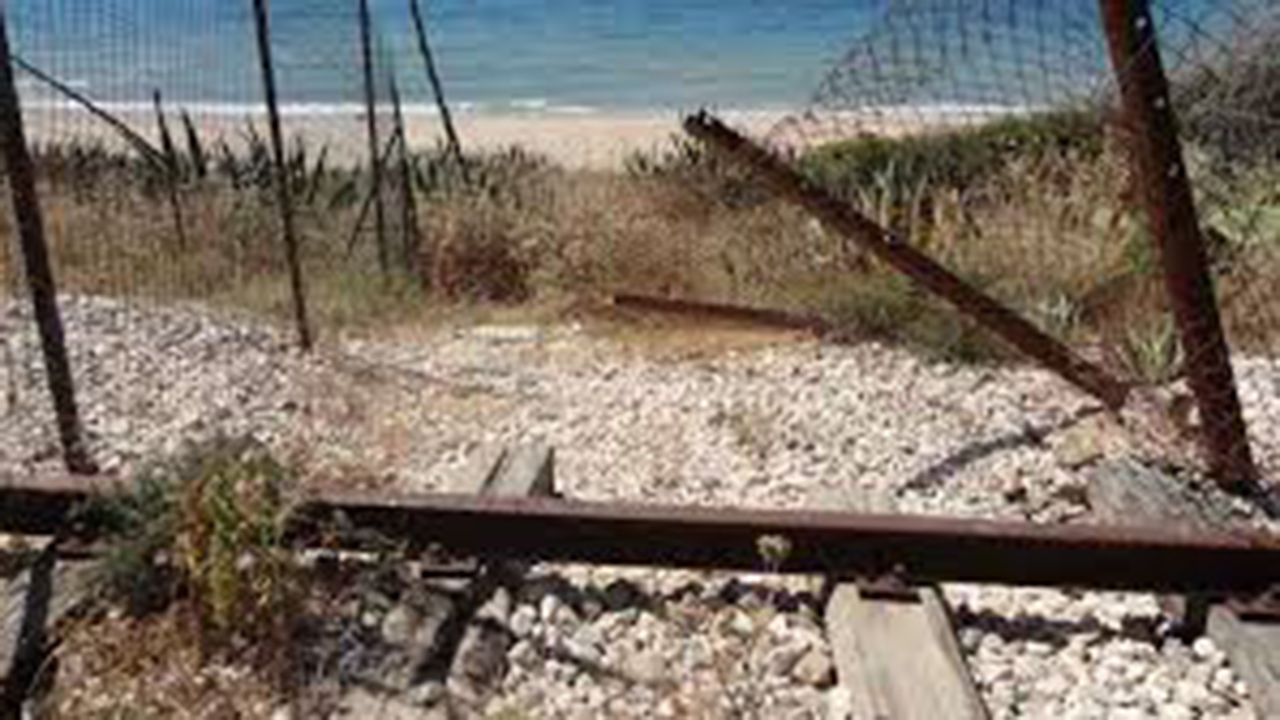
[(919, 550), (1171, 212), (879, 241), (734, 313)]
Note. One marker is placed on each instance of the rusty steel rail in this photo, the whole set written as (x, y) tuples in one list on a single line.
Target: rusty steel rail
[(720, 311), (858, 228), (918, 550), (1152, 134)]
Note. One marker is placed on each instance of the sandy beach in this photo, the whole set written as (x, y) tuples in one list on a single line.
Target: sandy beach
[(595, 141), (583, 141), (578, 141)]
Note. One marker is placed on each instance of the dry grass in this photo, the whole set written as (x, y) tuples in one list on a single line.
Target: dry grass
[(126, 668), (204, 610)]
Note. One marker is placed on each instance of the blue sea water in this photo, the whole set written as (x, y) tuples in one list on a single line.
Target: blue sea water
[(569, 56), (518, 55)]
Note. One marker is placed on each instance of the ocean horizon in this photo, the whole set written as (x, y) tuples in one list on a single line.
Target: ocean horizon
[(553, 57), (496, 56)]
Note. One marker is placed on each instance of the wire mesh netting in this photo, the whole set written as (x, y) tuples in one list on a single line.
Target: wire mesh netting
[(155, 172), (175, 134), (991, 136)]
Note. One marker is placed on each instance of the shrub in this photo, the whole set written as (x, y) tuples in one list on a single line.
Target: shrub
[(206, 528), (950, 160), (1231, 105), (691, 166), (475, 253), (886, 306)]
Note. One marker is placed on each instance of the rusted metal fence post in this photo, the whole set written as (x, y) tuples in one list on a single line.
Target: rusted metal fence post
[(411, 236), (172, 170), (39, 270), (437, 87), (283, 182), (145, 149), (371, 120), (1175, 226)]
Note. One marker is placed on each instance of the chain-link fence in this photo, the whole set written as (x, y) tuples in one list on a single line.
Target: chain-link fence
[(991, 135)]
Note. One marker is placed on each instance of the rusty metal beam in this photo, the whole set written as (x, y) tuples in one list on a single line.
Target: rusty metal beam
[(858, 228), (39, 505), (720, 311), (1152, 139), (921, 549)]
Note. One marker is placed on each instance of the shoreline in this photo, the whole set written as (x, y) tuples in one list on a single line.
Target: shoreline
[(597, 140), (585, 141)]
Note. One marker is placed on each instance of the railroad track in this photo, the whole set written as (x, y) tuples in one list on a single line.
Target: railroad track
[(888, 625)]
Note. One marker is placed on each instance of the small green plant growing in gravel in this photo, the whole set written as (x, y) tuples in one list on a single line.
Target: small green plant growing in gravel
[(206, 529), (139, 526), (1153, 355), (230, 543)]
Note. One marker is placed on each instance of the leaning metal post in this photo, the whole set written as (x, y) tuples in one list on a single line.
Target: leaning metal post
[(172, 171), (1171, 213), (411, 236), (39, 270), (371, 128), (855, 227), (282, 181), (437, 86)]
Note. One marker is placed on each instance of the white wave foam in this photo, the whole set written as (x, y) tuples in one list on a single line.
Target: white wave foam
[(27, 84), (328, 110), (529, 103)]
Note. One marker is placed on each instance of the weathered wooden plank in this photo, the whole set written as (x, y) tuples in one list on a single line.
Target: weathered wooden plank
[(899, 658), (480, 663), (1123, 491), (444, 634), (1253, 649), (32, 601), (525, 471)]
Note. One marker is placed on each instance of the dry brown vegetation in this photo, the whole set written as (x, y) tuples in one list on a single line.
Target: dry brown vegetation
[(1037, 212), (202, 608)]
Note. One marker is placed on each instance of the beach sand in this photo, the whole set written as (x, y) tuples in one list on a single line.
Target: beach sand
[(592, 141), (586, 141)]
